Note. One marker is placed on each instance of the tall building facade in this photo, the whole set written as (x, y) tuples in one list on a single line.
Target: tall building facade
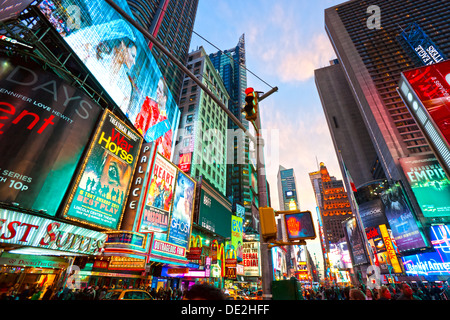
[(200, 149), (231, 66), (287, 189), (172, 23), (372, 59), (333, 203)]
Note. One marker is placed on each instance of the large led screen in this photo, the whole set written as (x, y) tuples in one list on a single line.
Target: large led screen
[(45, 125), (432, 263), (429, 184), (119, 58), (101, 189)]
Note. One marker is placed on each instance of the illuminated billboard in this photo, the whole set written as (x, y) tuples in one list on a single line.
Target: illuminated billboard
[(237, 232), (299, 225), (45, 125), (429, 184), (426, 92), (158, 201), (182, 211), (432, 263), (101, 188), (118, 56), (402, 220)]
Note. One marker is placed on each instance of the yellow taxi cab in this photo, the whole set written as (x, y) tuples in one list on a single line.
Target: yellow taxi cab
[(127, 294)]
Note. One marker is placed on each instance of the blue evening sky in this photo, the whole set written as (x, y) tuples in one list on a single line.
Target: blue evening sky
[(285, 42)]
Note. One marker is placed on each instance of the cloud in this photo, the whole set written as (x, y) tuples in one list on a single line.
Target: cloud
[(290, 50)]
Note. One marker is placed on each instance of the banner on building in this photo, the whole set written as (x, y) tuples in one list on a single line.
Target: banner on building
[(101, 188)]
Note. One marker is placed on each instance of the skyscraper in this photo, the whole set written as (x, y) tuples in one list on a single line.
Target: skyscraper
[(231, 66), (372, 59), (202, 136), (171, 22), (333, 203), (287, 189)]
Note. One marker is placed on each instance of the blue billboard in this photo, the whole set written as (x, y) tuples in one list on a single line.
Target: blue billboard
[(118, 56), (432, 263)]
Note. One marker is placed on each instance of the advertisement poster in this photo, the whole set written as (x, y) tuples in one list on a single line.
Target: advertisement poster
[(158, 203), (356, 244), (429, 184), (45, 126), (101, 189), (250, 259), (404, 225), (432, 264), (237, 236), (117, 55), (182, 210)]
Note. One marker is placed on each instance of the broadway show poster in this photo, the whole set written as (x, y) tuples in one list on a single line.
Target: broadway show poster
[(102, 187), (429, 184), (237, 231), (118, 56), (45, 126), (158, 203), (404, 225), (183, 206)]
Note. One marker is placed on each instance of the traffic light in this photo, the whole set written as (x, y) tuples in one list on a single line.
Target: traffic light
[(268, 223), (251, 104)]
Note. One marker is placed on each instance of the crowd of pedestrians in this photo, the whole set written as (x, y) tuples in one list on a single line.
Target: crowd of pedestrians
[(400, 291)]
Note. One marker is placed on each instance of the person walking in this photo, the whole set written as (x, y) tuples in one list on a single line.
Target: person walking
[(356, 294), (406, 293), (385, 294)]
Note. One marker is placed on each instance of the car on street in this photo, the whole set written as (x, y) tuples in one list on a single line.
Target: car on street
[(127, 294)]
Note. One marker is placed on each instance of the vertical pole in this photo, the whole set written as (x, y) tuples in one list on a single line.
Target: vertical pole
[(266, 253)]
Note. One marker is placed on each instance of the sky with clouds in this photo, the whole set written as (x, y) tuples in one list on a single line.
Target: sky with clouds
[(285, 42)]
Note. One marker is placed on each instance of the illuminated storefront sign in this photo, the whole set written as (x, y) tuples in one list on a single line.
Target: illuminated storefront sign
[(102, 187), (166, 248), (33, 231), (126, 239), (118, 56), (45, 125), (426, 92), (429, 184), (25, 260), (185, 162)]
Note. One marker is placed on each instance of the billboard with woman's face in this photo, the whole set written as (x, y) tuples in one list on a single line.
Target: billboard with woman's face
[(119, 58)]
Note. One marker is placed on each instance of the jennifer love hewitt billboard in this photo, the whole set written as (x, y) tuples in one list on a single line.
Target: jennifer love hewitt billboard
[(102, 187), (45, 125)]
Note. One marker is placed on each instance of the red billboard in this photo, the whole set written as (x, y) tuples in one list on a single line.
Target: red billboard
[(432, 86), (426, 92), (45, 125)]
